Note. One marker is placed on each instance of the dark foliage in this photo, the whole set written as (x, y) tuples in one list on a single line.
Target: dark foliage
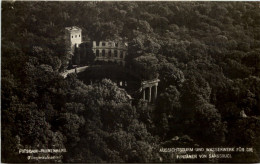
[(206, 54)]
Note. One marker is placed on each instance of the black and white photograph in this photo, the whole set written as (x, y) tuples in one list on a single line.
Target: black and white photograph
[(130, 81)]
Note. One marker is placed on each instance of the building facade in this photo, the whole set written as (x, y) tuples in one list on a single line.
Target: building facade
[(110, 51), (107, 51)]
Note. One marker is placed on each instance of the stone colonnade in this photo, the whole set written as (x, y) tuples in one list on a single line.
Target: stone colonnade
[(150, 84)]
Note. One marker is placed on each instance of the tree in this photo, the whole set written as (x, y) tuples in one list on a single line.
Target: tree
[(252, 59), (111, 128), (148, 63), (170, 75), (208, 119), (168, 104)]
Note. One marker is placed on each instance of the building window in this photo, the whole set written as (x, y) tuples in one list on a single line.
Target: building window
[(97, 43), (103, 44), (97, 53), (79, 36), (72, 36), (116, 53), (116, 44), (103, 53), (109, 53), (121, 55)]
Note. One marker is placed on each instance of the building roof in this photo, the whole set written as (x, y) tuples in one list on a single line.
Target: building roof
[(73, 28)]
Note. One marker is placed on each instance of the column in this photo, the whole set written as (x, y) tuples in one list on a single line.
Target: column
[(143, 93), (99, 54), (112, 54), (150, 94), (155, 92), (106, 53)]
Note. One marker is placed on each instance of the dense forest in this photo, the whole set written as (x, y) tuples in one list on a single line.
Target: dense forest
[(206, 55)]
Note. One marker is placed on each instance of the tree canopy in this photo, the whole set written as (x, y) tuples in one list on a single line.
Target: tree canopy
[(206, 55)]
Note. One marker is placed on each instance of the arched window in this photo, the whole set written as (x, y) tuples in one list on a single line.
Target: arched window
[(103, 53)]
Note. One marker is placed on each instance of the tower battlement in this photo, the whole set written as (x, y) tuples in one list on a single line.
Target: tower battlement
[(73, 37)]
